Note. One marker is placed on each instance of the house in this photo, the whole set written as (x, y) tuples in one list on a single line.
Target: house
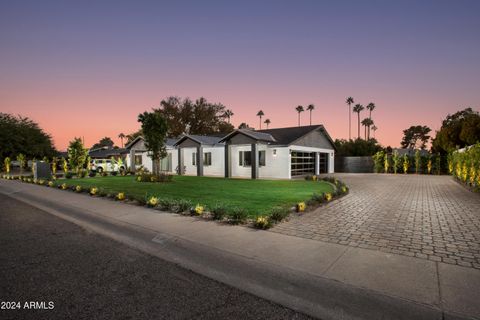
[(281, 153), (136, 156)]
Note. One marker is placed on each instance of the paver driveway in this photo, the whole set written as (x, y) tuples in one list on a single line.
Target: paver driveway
[(429, 217)]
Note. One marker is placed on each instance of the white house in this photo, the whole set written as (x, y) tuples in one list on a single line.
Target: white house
[(137, 156), (281, 153)]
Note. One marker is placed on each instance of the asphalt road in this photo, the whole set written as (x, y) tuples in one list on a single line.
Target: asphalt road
[(87, 276)]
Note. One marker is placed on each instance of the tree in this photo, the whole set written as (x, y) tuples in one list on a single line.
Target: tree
[(458, 130), (121, 136), (104, 142), (260, 114), (244, 125), (132, 136), (358, 108), (370, 107), (155, 129), (77, 154), (357, 148), (415, 137), (310, 108), (22, 135), (267, 122), (349, 103), (299, 110), (367, 122), (22, 161), (374, 128), (194, 117), (228, 114)]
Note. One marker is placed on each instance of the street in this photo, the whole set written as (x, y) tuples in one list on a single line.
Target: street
[(51, 262)]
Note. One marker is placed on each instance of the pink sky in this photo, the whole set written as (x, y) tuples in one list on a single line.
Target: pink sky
[(88, 71)]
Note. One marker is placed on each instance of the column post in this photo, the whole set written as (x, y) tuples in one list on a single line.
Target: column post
[(132, 160), (228, 172), (317, 163), (254, 161), (180, 161), (199, 161)]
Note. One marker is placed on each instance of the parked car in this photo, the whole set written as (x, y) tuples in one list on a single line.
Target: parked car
[(106, 165)]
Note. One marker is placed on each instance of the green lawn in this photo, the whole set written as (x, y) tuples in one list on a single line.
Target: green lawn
[(256, 196)]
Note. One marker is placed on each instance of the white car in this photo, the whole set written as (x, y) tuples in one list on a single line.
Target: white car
[(107, 165)]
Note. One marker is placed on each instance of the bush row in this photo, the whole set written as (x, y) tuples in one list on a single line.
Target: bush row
[(464, 165), (219, 211)]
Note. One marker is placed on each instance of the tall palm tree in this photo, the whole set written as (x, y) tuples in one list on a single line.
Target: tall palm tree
[(228, 114), (260, 114), (267, 122), (122, 136), (367, 122), (370, 123), (349, 102), (299, 110), (365, 125), (374, 128), (310, 108), (370, 107), (358, 108)]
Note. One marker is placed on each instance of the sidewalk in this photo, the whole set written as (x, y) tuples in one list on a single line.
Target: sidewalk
[(325, 280)]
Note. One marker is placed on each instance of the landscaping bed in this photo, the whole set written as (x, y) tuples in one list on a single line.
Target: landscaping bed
[(261, 202)]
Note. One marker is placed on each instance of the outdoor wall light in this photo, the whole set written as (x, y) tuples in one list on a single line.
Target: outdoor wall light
[(274, 152)]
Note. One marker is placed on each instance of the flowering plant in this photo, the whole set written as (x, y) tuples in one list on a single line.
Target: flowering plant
[(328, 196), (121, 196), (78, 189), (51, 184), (301, 206), (153, 201), (199, 209), (93, 191), (63, 186), (261, 223)]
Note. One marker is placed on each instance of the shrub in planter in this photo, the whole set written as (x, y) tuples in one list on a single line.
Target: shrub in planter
[(197, 210), (181, 206), (301, 206), (219, 211), (93, 191), (153, 201), (63, 186), (328, 196), (78, 189), (261, 223), (278, 214), (237, 216), (120, 196)]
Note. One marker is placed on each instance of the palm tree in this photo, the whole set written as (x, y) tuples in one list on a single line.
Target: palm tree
[(299, 110), (370, 123), (260, 114), (370, 107), (228, 114), (358, 108), (267, 122), (349, 102), (310, 108), (365, 124), (121, 136), (374, 128)]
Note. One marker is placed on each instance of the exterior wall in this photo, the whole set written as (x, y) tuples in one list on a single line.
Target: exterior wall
[(315, 139), (331, 157), (218, 159), (354, 164), (147, 161), (276, 167)]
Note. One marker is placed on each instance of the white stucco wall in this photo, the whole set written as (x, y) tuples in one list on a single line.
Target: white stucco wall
[(147, 161), (276, 167), (217, 169)]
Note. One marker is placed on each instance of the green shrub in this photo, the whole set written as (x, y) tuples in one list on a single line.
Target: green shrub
[(181, 205), (378, 160), (68, 175), (262, 223), (278, 214), (238, 216), (143, 176), (219, 211)]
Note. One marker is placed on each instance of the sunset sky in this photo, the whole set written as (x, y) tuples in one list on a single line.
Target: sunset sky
[(88, 68)]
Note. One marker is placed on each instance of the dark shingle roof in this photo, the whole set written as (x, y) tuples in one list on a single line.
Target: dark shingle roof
[(206, 140), (104, 153), (257, 135), (169, 142), (285, 136)]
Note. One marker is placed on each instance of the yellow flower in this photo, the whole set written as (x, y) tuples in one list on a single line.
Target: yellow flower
[(50, 183), (314, 178), (328, 196), (93, 191), (153, 179), (153, 201), (301, 206), (472, 174), (64, 186), (344, 189), (429, 166), (78, 188), (121, 196), (261, 222), (139, 178), (198, 209)]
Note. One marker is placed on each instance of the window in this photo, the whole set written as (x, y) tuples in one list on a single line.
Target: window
[(261, 158), (207, 159), (138, 160), (302, 163), (194, 159), (245, 158)]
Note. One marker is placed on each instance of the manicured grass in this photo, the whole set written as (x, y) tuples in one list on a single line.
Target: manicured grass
[(256, 196)]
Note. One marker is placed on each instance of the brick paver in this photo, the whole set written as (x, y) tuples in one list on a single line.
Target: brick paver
[(428, 217)]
